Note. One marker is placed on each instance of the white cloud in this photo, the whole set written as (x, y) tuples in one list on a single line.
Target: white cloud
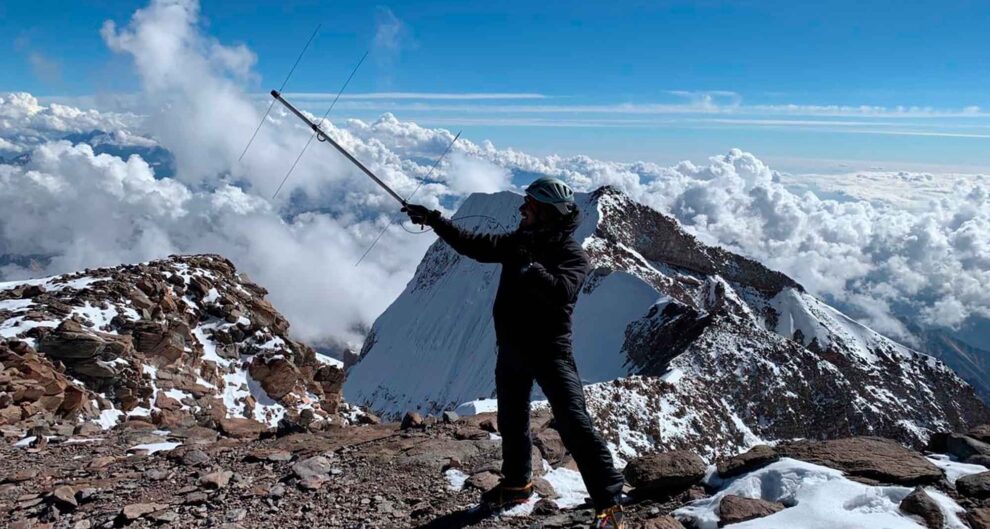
[(930, 260)]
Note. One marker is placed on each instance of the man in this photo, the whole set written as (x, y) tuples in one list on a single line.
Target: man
[(543, 269)]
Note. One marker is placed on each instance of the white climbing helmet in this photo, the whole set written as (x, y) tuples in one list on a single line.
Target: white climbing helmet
[(552, 191)]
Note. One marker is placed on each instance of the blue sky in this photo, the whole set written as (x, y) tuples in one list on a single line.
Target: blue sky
[(806, 86)]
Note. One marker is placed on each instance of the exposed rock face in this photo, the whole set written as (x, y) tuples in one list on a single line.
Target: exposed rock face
[(734, 509), (757, 457), (975, 485), (175, 343), (873, 458), (670, 334), (919, 503), (665, 472)]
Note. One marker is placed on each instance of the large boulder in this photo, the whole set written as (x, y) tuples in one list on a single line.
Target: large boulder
[(755, 458), (70, 342), (919, 503), (241, 428), (964, 447), (981, 432), (278, 377), (873, 458), (734, 509), (979, 518), (665, 472), (974, 485)]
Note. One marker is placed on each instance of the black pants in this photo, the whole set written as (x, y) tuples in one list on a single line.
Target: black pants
[(557, 375)]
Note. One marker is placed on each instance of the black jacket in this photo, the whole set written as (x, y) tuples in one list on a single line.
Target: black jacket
[(542, 273)]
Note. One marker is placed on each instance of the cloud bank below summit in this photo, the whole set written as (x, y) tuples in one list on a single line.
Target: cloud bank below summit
[(73, 208)]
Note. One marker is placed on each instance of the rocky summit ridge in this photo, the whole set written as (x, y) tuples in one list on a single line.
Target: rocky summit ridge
[(176, 343), (681, 344)]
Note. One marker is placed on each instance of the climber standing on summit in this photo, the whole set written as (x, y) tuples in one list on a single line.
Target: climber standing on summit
[(543, 268)]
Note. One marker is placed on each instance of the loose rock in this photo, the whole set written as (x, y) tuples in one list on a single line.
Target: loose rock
[(755, 458), (921, 504), (665, 472)]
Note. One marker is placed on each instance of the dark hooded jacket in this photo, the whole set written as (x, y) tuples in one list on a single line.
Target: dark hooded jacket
[(542, 273)]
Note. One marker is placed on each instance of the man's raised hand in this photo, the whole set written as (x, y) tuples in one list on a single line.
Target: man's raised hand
[(420, 214)]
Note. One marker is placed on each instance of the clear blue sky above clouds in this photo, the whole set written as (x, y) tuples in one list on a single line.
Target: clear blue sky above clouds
[(804, 85)]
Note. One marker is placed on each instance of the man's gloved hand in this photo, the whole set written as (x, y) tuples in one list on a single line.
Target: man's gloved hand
[(421, 215), (520, 257)]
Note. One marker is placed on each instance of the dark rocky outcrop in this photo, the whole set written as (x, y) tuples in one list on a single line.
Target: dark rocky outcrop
[(734, 509), (872, 458)]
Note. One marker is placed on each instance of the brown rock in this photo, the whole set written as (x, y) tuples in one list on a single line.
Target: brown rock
[(20, 476), (65, 497), (470, 434), (974, 485), (277, 377), (734, 509), (874, 458), (157, 340), (411, 420), (70, 342), (755, 458), (551, 445), (98, 463), (484, 480), (979, 518), (242, 428), (665, 472), (10, 415), (313, 468), (488, 425), (964, 447), (216, 480), (663, 522), (979, 460), (266, 454), (981, 432), (136, 510), (921, 504), (544, 507), (544, 488)]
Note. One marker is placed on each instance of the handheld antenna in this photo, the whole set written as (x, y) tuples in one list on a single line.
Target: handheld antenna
[(391, 219), (319, 135), (270, 105)]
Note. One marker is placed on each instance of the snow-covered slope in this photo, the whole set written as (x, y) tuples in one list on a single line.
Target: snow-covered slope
[(175, 342), (682, 344)]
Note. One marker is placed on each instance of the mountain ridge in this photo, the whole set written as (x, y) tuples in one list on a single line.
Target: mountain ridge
[(658, 301)]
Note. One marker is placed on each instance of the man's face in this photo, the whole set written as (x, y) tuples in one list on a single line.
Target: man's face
[(531, 213)]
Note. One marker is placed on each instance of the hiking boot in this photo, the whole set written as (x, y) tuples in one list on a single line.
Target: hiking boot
[(502, 496), (609, 518)]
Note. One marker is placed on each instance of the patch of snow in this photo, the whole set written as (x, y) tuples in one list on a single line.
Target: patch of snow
[(152, 448), (954, 470), (15, 304), (672, 376), (109, 418), (475, 407), (83, 440), (100, 317), (14, 326), (569, 486), (211, 296), (25, 442), (324, 359), (818, 498), (455, 479)]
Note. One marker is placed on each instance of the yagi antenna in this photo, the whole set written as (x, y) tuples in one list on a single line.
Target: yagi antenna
[(263, 118)]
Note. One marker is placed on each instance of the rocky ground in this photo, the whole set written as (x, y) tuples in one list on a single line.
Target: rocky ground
[(400, 475)]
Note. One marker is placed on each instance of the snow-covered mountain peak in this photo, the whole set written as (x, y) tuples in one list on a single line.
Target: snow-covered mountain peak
[(683, 328)]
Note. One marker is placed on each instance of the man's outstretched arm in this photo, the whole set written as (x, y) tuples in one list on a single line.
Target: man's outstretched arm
[(485, 248)]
